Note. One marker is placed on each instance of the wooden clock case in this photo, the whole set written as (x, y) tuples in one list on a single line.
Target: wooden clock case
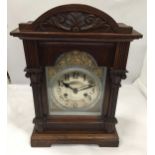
[(66, 28)]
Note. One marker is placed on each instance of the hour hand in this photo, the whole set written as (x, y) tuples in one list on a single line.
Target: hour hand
[(67, 85)]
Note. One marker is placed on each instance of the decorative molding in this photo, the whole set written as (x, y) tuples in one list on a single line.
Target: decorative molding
[(35, 74), (75, 21), (116, 75)]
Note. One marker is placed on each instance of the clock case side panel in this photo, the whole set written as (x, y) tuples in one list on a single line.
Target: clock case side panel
[(36, 73), (114, 76)]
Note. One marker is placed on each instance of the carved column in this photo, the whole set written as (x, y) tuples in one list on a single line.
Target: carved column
[(115, 82), (36, 76)]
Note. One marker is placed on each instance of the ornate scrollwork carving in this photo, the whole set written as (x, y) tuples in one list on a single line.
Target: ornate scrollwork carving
[(76, 58), (116, 76), (75, 22), (35, 74)]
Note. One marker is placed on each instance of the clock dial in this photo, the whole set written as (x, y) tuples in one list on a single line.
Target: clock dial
[(76, 89)]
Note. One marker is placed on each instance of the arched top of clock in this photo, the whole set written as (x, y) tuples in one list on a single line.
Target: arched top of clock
[(75, 20)]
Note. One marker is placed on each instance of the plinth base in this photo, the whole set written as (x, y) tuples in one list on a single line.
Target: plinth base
[(46, 139)]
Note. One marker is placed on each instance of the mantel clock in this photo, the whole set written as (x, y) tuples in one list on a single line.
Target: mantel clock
[(76, 57)]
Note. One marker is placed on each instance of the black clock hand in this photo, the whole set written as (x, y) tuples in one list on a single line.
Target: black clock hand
[(67, 85)]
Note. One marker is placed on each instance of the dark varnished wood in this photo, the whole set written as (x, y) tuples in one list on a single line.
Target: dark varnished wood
[(104, 53), (73, 37), (94, 32), (46, 139)]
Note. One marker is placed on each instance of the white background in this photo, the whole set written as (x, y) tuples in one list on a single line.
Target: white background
[(131, 12), (151, 77), (127, 11)]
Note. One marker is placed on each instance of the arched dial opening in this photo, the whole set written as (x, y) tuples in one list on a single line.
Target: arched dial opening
[(75, 85)]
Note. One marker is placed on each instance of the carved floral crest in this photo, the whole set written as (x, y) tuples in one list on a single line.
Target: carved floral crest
[(75, 18), (75, 22)]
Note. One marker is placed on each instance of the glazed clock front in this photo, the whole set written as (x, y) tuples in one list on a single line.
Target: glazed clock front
[(74, 87)]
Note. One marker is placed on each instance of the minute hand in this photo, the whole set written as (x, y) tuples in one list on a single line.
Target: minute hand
[(87, 87)]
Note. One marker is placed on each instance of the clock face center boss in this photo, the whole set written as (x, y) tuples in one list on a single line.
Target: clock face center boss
[(75, 85)]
